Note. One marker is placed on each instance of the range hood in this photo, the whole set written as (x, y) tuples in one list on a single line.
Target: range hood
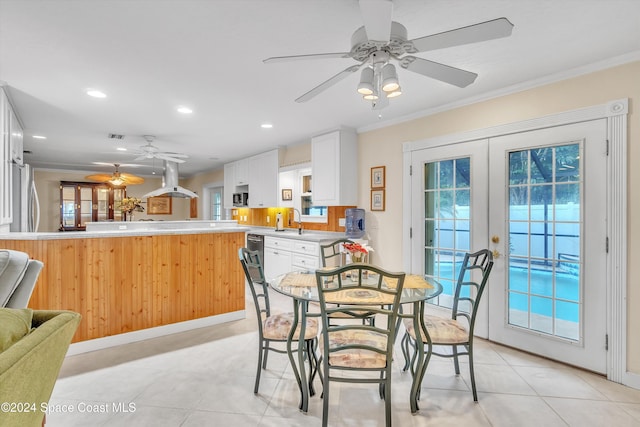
[(170, 185)]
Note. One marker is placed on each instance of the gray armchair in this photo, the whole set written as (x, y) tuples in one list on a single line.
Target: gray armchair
[(18, 276)]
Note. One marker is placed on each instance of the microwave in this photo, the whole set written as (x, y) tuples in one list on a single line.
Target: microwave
[(240, 199)]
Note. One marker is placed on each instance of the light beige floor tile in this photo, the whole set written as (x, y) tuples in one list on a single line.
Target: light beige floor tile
[(613, 391), (448, 408), (558, 382), (205, 418), (496, 379), (507, 410), (587, 413), (632, 409)]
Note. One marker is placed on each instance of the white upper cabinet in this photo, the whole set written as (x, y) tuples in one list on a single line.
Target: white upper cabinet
[(15, 138), (263, 179), (229, 185), (241, 172), (334, 163)]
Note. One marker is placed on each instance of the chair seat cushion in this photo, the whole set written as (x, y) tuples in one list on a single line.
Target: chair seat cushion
[(277, 327), (441, 330), (356, 358)]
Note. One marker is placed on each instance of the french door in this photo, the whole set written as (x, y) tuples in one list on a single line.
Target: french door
[(548, 227), (537, 200)]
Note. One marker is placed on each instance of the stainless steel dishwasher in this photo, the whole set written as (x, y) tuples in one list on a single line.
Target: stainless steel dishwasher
[(255, 242)]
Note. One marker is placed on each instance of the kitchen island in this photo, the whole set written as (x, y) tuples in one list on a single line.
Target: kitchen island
[(129, 280)]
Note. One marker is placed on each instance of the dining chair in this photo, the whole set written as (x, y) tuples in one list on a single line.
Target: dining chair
[(451, 332), (275, 328), (363, 351), (333, 255)]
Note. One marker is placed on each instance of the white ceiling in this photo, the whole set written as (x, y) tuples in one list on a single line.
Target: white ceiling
[(151, 56)]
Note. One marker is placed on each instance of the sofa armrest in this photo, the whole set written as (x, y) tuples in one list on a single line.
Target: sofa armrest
[(30, 367)]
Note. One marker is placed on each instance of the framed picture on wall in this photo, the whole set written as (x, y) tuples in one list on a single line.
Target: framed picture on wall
[(377, 200), (287, 194), (159, 205), (377, 177)]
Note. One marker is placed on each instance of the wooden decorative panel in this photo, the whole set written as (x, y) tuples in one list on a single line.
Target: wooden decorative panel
[(123, 284)]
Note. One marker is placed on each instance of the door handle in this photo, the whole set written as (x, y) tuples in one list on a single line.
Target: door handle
[(495, 239)]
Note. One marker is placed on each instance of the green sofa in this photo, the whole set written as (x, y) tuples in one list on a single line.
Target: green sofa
[(33, 344)]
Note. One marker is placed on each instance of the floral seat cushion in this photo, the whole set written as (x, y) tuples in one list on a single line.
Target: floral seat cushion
[(278, 326), (441, 330), (356, 358)]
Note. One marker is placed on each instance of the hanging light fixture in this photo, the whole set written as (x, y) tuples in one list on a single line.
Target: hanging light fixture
[(365, 87), (378, 79), (389, 78)]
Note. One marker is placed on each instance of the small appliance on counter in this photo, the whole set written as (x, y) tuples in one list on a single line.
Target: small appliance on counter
[(279, 225), (354, 223), (240, 199)]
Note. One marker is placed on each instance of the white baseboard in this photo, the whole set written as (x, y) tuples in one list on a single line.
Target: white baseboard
[(158, 331), (631, 380)]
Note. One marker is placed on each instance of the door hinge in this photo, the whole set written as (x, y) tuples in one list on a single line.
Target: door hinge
[(606, 342), (607, 244), (410, 170), (607, 147), (411, 232)]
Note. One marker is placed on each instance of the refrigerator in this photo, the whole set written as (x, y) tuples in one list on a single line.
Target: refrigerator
[(26, 207)]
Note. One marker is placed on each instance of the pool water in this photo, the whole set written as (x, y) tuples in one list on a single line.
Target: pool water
[(539, 297)]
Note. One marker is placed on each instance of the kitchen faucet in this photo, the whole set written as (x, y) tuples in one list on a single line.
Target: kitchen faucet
[(299, 219)]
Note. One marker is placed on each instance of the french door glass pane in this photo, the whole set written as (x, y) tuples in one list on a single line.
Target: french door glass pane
[(545, 223), (447, 221)]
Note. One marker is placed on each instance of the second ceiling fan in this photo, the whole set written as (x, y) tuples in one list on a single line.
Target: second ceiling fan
[(381, 40)]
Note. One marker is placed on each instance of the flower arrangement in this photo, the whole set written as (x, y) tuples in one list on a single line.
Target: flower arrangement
[(357, 250), (131, 204)]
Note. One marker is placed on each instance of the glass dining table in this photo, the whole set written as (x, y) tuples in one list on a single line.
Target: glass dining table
[(301, 287)]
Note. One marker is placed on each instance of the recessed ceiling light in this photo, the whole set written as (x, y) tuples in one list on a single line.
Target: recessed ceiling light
[(266, 126), (121, 149), (96, 93), (39, 137), (184, 110)]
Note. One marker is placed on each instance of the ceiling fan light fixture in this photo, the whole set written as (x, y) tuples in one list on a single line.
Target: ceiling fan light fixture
[(366, 82), (116, 181), (371, 97), (389, 78), (395, 93)]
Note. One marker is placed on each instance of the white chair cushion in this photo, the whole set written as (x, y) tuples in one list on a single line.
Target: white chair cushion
[(441, 330), (278, 326)]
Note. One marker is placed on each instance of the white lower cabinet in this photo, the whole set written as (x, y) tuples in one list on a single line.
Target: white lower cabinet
[(282, 255)]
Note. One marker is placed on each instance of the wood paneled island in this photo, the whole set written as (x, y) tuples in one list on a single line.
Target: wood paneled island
[(133, 280)]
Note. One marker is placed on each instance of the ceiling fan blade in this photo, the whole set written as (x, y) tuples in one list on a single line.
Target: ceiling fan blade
[(131, 179), (168, 158), (483, 31), (168, 153), (143, 157), (309, 56), (328, 83), (100, 177), (435, 70), (376, 15)]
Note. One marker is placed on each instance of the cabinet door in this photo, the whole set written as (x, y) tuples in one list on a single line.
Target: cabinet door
[(229, 185), (15, 138), (334, 164), (276, 262), (5, 162), (325, 161), (241, 172), (263, 180)]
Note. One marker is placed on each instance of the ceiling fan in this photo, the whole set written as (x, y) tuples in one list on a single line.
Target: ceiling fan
[(117, 178), (150, 151), (381, 40)]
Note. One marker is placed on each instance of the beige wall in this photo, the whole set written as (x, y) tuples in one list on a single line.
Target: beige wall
[(384, 147), (48, 187)]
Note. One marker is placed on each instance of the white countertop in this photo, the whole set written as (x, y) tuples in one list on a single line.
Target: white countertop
[(292, 233), (134, 228)]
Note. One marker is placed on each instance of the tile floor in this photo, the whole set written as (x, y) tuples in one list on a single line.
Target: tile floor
[(205, 377)]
